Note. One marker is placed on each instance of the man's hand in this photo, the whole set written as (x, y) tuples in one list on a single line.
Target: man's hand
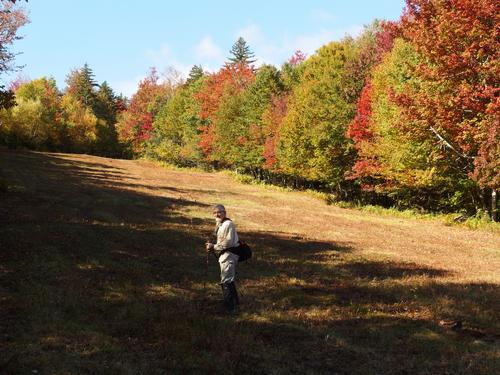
[(209, 247)]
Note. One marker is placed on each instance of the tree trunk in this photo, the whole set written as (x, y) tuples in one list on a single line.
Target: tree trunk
[(493, 205), (484, 200)]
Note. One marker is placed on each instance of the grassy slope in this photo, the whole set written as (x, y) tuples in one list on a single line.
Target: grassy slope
[(102, 271)]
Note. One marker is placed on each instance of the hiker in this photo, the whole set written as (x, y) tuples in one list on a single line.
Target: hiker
[(226, 238)]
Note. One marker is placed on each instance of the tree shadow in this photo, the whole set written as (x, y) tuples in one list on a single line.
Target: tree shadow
[(96, 277), (391, 270)]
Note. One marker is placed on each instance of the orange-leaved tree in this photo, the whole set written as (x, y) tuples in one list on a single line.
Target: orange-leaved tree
[(230, 81), (276, 111)]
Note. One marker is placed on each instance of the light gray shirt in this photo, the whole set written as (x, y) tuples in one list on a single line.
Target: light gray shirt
[(226, 236)]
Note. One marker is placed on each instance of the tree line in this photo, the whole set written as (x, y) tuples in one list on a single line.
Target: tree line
[(406, 114)]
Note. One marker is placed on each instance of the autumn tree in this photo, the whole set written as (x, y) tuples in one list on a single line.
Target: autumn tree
[(91, 100), (392, 160), (44, 118), (175, 135), (272, 118), (368, 49), (34, 120), (459, 107), (240, 129), (135, 125), (80, 123), (375, 42), (11, 19), (218, 88), (312, 143), (82, 85), (426, 123)]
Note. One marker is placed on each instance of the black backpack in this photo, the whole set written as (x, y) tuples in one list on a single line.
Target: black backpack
[(242, 250)]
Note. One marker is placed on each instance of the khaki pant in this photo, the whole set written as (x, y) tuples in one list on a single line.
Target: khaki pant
[(227, 262)]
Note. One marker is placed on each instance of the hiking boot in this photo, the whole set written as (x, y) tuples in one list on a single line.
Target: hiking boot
[(229, 301), (234, 294)]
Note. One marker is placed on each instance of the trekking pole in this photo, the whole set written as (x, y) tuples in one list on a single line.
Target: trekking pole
[(207, 255), (206, 273)]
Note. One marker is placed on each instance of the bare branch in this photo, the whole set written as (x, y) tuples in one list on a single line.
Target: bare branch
[(449, 145)]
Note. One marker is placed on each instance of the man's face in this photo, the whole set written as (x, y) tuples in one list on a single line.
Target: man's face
[(219, 215)]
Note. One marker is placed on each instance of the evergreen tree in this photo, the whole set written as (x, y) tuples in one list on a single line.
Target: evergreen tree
[(82, 85), (106, 111), (105, 103), (241, 53), (195, 73)]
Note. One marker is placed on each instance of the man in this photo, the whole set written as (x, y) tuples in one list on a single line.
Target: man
[(227, 238)]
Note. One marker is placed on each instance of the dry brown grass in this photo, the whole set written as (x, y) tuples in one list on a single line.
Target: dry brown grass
[(102, 271)]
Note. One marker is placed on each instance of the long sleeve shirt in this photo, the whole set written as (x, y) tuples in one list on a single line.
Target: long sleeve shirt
[(226, 236)]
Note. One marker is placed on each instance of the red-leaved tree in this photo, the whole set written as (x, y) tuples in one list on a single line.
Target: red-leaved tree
[(136, 123), (232, 78), (459, 41)]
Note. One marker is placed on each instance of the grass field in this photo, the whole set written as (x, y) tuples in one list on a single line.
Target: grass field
[(103, 271)]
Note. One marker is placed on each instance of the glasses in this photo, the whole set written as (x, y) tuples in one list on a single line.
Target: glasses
[(218, 212)]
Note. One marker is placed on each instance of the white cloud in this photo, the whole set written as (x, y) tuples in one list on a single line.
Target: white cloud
[(127, 88), (311, 43), (277, 51), (160, 56), (167, 66), (176, 71), (353, 30), (265, 50), (250, 33), (206, 49), (271, 49), (175, 74), (165, 60)]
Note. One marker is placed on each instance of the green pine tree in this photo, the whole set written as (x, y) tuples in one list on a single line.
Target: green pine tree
[(82, 85), (241, 53), (105, 109), (105, 103), (195, 73)]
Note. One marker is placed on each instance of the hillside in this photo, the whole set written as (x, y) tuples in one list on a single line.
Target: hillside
[(102, 270)]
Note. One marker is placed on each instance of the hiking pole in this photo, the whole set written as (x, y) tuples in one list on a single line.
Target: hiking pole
[(206, 273), (207, 254)]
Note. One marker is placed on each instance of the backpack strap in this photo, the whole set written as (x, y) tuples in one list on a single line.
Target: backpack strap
[(218, 254), (218, 226)]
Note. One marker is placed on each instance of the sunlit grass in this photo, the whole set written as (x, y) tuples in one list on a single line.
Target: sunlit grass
[(479, 221)]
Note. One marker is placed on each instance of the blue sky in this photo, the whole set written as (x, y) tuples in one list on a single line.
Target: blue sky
[(121, 40)]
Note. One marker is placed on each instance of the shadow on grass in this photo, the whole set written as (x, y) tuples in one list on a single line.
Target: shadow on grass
[(99, 278)]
